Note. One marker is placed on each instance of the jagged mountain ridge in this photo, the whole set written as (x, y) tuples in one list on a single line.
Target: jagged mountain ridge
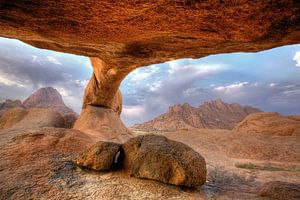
[(214, 114)]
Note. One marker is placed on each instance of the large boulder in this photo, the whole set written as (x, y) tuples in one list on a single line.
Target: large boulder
[(158, 158), (280, 190), (102, 123), (101, 156)]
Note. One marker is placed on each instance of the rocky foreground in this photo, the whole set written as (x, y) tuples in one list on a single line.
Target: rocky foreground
[(38, 163)]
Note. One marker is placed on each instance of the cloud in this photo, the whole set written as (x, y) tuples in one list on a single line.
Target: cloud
[(231, 87), (143, 74), (297, 58), (176, 67), (140, 76), (133, 111), (9, 82), (42, 60), (155, 86), (53, 60), (131, 114)]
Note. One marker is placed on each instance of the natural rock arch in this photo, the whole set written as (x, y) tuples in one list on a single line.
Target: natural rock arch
[(120, 36)]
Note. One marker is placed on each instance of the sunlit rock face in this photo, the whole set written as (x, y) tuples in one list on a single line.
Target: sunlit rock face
[(138, 33), (123, 35), (103, 124), (102, 89)]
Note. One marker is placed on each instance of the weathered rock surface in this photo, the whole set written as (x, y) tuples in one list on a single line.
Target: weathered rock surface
[(213, 115), (19, 118), (280, 190), (269, 123), (158, 158), (102, 123), (12, 117), (101, 156), (98, 93), (124, 35), (37, 164), (143, 32), (50, 98)]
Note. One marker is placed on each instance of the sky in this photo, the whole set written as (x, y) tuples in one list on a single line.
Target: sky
[(269, 80)]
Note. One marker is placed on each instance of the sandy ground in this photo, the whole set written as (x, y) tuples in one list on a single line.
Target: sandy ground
[(37, 164)]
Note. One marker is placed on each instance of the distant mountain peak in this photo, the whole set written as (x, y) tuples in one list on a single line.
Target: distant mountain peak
[(44, 98), (211, 114), (48, 98)]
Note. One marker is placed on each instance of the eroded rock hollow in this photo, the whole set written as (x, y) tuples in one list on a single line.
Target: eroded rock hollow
[(120, 36)]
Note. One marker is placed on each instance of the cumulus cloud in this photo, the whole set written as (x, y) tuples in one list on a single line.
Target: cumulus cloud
[(141, 75), (133, 111), (297, 58), (53, 60), (232, 87), (6, 80), (42, 60), (175, 67)]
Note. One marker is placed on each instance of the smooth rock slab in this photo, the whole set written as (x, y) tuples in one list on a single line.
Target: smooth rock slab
[(158, 158), (101, 156)]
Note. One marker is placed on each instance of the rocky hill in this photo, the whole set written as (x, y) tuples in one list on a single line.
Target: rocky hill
[(45, 98), (50, 98), (9, 104), (270, 123), (214, 114)]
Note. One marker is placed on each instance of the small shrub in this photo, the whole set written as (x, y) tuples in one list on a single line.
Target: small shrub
[(267, 167)]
